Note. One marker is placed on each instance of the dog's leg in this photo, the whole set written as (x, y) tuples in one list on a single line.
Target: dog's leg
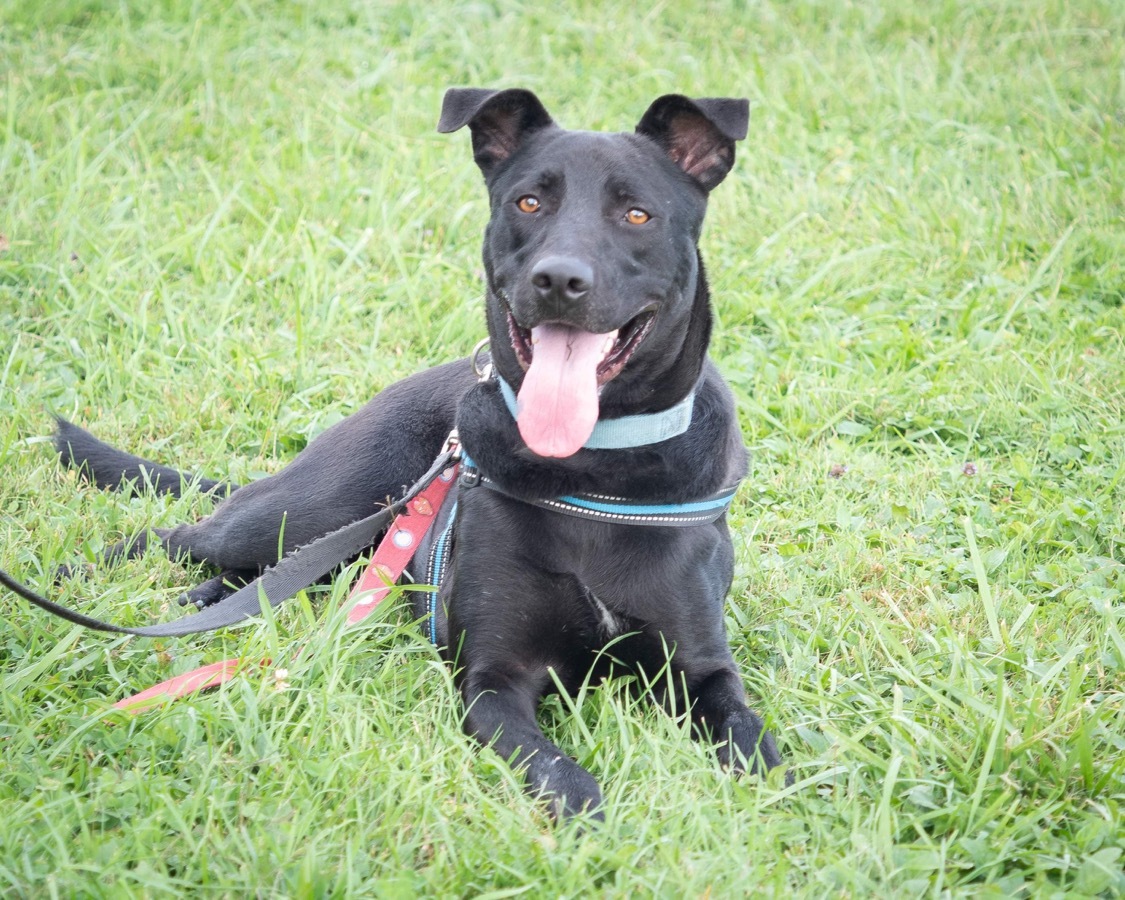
[(345, 474), (511, 625), (717, 703), (684, 631), (721, 715), (501, 713)]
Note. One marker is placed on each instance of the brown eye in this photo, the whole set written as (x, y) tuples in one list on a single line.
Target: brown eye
[(637, 216), (528, 204)]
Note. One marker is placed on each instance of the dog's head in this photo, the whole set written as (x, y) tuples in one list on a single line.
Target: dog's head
[(597, 299)]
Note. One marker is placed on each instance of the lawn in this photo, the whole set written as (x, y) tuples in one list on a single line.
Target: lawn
[(225, 226)]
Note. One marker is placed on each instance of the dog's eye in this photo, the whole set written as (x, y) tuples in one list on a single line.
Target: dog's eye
[(637, 216), (528, 203)]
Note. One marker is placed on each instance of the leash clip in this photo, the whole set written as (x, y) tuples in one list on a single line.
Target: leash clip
[(452, 446), (483, 372)]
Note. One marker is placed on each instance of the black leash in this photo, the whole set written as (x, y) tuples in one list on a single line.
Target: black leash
[(298, 570)]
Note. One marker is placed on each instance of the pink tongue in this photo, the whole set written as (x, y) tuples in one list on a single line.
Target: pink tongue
[(558, 402)]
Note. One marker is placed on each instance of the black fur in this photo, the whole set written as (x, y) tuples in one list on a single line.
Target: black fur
[(533, 595), (115, 469)]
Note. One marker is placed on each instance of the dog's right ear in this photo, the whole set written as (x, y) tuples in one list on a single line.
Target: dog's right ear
[(499, 121)]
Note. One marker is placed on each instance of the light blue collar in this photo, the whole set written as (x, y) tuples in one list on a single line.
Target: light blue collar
[(628, 431)]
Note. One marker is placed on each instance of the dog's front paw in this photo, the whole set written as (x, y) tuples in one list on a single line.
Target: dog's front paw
[(745, 746), (568, 789), (213, 590)]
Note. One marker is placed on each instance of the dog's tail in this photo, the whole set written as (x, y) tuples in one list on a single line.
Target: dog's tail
[(115, 469)]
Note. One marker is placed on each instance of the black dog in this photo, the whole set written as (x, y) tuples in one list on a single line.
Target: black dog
[(599, 320)]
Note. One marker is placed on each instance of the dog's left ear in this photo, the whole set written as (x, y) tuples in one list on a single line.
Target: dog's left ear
[(698, 135), (498, 120)]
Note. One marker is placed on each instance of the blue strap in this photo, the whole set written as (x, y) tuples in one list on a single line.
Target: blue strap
[(614, 510), (618, 511), (439, 562), (628, 431), (711, 504)]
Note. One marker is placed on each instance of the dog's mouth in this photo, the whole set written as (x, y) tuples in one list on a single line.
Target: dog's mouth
[(626, 341), (564, 371)]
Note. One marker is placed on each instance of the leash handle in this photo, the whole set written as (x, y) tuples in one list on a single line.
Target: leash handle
[(182, 685)]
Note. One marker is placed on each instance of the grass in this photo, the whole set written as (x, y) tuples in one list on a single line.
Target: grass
[(227, 225)]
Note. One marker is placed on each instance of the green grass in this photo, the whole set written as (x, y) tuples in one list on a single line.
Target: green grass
[(227, 225)]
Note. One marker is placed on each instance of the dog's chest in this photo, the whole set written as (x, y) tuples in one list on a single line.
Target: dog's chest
[(608, 623)]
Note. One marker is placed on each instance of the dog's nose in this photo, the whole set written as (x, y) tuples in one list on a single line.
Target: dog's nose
[(562, 279)]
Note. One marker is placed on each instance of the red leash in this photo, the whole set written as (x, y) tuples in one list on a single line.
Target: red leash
[(389, 561)]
